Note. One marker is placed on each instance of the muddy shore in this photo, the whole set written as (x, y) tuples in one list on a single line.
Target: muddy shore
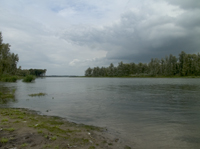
[(23, 128)]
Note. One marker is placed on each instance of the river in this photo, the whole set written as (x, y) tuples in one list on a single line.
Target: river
[(145, 112)]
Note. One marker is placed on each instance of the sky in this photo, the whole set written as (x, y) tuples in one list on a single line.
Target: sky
[(66, 37)]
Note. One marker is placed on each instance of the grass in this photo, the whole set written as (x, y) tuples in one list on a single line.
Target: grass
[(37, 94), (4, 140), (29, 78), (4, 120), (9, 79), (40, 131), (24, 145), (53, 138), (9, 129), (54, 130)]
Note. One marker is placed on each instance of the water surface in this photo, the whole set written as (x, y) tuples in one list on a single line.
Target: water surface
[(146, 112)]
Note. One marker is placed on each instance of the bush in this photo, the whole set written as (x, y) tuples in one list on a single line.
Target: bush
[(9, 78), (29, 78)]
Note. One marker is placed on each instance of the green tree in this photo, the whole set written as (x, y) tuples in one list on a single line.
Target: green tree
[(154, 67), (181, 63), (111, 70), (8, 60), (37, 72), (88, 72)]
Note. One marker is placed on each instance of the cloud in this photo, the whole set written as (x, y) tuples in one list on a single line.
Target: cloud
[(191, 4), (140, 35), (67, 37), (72, 63)]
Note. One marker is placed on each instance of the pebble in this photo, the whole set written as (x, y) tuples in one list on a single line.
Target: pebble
[(91, 141)]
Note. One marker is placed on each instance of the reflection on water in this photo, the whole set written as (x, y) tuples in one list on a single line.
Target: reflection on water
[(7, 94), (149, 113)]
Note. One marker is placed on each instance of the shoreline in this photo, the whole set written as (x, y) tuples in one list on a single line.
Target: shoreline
[(24, 128)]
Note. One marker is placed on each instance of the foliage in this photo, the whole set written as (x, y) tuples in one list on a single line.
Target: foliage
[(37, 72), (22, 72), (34, 72), (185, 65), (8, 78), (8, 65), (29, 78), (8, 60)]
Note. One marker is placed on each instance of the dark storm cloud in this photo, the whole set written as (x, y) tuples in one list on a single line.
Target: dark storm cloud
[(142, 35), (186, 4)]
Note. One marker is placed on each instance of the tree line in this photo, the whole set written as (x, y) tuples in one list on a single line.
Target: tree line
[(34, 72), (184, 65), (9, 60)]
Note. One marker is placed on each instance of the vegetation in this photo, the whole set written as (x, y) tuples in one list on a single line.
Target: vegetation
[(9, 129), (185, 65), (8, 66), (38, 94), (24, 145), (8, 60), (37, 72), (4, 140), (29, 78), (6, 95), (39, 131), (34, 72), (7, 78)]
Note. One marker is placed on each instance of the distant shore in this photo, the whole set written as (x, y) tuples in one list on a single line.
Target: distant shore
[(143, 77)]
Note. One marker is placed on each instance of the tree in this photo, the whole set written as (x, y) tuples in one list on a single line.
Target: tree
[(111, 70), (8, 60), (186, 64), (181, 62), (154, 67), (37, 72), (120, 69), (88, 72)]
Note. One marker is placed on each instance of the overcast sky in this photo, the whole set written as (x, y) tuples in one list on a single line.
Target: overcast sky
[(68, 36)]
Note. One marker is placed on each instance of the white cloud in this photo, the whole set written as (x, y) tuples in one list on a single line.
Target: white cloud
[(72, 63), (67, 12)]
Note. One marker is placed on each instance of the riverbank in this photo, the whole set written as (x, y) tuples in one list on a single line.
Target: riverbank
[(22, 128)]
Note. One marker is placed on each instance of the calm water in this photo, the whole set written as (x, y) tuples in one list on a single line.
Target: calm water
[(148, 113)]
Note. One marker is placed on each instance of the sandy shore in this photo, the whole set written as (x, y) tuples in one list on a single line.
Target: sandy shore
[(22, 128)]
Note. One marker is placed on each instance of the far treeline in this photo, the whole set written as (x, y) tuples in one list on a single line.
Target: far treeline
[(8, 64), (184, 65)]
